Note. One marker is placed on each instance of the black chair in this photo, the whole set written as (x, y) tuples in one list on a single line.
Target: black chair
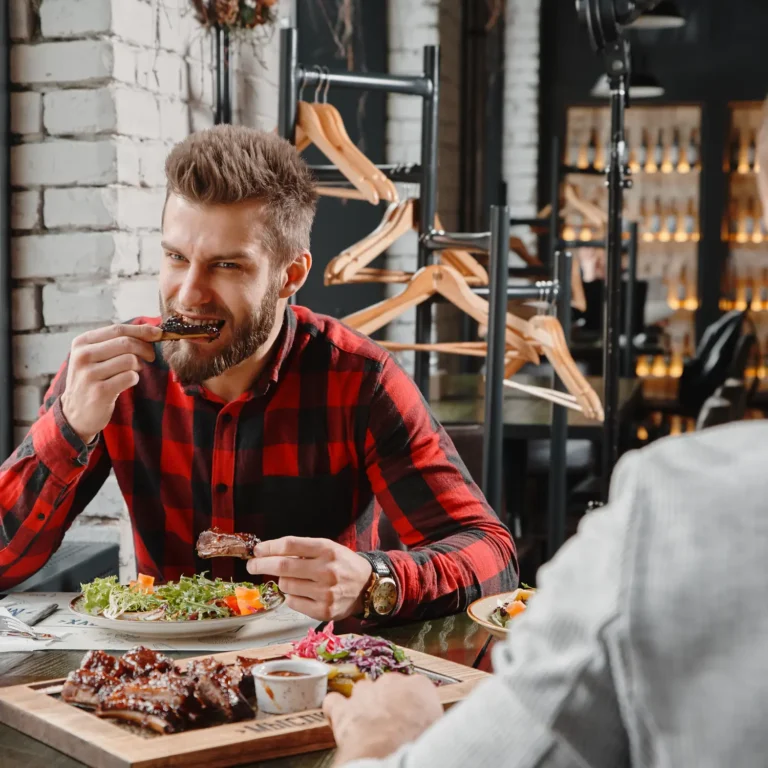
[(712, 364), (735, 392), (715, 411)]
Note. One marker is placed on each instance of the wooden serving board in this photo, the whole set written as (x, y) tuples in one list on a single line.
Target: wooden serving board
[(35, 710)]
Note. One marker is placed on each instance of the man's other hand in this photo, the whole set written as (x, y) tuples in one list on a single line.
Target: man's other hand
[(380, 717)]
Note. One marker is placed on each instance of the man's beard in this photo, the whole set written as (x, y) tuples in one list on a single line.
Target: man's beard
[(188, 360)]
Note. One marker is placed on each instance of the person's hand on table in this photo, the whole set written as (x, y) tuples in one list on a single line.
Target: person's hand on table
[(380, 717), (319, 577)]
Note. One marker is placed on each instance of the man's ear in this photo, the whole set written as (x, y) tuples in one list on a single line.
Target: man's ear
[(295, 274)]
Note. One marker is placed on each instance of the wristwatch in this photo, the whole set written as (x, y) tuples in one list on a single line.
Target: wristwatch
[(380, 595)]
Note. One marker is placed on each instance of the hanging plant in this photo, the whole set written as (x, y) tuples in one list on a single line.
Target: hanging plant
[(235, 14)]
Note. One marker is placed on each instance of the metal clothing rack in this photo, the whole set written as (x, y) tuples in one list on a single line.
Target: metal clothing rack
[(294, 77), (557, 291)]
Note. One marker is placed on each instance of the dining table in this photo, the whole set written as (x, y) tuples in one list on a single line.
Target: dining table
[(455, 638)]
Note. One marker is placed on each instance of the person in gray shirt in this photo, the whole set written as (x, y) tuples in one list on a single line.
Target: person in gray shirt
[(645, 645)]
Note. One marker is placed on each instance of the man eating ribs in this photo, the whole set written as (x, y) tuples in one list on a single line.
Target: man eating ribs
[(237, 411)]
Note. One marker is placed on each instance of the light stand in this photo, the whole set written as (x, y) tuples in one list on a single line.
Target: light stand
[(605, 20)]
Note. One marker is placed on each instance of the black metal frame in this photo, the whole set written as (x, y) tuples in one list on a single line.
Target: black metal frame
[(294, 77), (6, 323), (223, 79)]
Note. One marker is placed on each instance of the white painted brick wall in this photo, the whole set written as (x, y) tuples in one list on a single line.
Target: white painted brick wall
[(26, 112), (521, 111), (25, 308), (25, 209), (102, 91)]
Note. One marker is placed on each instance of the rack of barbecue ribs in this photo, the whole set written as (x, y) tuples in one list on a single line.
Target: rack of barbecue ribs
[(216, 543), (146, 688), (175, 328)]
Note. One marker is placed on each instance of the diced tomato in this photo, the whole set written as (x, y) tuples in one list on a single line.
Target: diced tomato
[(146, 583), (514, 608), (248, 600), (231, 603)]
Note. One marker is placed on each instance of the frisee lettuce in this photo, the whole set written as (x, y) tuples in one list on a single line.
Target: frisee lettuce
[(190, 597)]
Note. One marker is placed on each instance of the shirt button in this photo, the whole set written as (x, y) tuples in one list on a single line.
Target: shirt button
[(221, 488), (40, 516), (227, 418)]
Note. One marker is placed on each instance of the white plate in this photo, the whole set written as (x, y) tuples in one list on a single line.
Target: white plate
[(168, 629), (480, 612)]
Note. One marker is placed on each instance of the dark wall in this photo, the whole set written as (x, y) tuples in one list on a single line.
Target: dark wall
[(718, 57), (341, 223)]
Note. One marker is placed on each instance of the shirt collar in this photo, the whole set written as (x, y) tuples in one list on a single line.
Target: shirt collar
[(271, 373)]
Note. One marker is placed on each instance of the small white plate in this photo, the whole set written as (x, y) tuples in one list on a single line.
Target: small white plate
[(480, 612), (169, 629)]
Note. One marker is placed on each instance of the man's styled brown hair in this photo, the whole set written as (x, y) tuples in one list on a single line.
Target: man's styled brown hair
[(232, 163)]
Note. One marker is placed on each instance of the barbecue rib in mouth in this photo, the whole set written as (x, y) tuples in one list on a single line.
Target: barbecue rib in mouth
[(216, 543), (175, 328)]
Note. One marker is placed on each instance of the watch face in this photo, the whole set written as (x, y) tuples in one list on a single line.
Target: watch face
[(384, 597)]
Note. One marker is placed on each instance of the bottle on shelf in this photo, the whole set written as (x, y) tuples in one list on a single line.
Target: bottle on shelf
[(643, 154), (569, 230), (632, 161), (643, 366), (691, 290), (658, 150), (683, 227), (693, 155), (758, 235), (684, 165), (668, 223), (599, 164), (673, 292), (656, 220), (733, 220), (734, 160), (676, 361), (646, 233), (747, 222), (672, 154), (574, 150), (592, 148), (691, 219), (752, 152)]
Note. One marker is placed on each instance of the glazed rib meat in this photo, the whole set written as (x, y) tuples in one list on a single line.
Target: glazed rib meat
[(216, 543), (98, 671), (141, 662), (175, 328), (146, 688), (166, 703), (82, 687), (218, 687)]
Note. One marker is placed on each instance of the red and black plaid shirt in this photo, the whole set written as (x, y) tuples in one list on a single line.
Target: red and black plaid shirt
[(332, 433)]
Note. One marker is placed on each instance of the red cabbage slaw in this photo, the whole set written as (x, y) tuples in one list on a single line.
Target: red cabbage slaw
[(372, 655)]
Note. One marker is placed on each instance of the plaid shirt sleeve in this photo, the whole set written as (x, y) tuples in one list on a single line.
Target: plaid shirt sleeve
[(47, 481), (458, 550)]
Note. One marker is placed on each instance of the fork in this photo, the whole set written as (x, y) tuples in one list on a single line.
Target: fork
[(10, 626)]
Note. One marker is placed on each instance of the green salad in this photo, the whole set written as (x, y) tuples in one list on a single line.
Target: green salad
[(188, 599)]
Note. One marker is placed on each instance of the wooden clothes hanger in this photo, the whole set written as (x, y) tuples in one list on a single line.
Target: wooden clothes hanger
[(350, 264), (333, 148), (446, 281), (333, 124)]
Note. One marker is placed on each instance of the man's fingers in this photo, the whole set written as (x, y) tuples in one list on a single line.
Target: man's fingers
[(295, 567), (308, 607), (117, 384), (302, 588), (333, 704), (110, 368), (144, 332), (122, 345), (293, 546)]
